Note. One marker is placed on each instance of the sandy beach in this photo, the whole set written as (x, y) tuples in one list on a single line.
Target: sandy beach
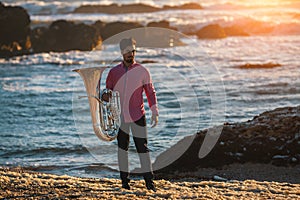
[(21, 184)]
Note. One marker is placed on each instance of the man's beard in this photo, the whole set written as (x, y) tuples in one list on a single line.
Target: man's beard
[(129, 60)]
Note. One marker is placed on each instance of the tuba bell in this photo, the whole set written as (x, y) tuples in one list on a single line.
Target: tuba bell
[(105, 113)]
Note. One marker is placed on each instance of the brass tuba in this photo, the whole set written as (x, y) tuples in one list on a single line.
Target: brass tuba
[(105, 114)]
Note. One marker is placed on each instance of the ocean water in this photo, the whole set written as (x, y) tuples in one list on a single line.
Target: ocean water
[(46, 127)]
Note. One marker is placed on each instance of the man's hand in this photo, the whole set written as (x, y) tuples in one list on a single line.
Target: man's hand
[(154, 120), (106, 96)]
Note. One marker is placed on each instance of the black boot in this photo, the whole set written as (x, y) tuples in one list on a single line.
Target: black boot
[(150, 185), (125, 184)]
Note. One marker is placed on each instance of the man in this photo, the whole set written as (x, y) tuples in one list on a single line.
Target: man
[(131, 79)]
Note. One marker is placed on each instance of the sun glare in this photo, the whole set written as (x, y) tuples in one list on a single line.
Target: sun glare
[(262, 2)]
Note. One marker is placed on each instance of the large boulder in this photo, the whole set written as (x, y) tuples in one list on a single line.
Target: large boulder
[(15, 30), (63, 36), (212, 31), (154, 35), (113, 28), (187, 6), (273, 137), (161, 24)]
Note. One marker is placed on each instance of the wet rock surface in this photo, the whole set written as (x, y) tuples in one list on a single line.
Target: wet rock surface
[(215, 31), (64, 36), (17, 38), (15, 30), (272, 137)]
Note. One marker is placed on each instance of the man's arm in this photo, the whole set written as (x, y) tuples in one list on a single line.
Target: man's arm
[(152, 99), (109, 81)]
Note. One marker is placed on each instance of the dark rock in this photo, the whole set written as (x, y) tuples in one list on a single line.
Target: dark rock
[(161, 24), (15, 30), (113, 28), (259, 66), (116, 8), (147, 61), (131, 8), (99, 25), (213, 31), (63, 36), (187, 6), (40, 42), (272, 137), (146, 36)]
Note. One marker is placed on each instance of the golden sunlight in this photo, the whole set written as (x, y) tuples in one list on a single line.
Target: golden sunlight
[(261, 2)]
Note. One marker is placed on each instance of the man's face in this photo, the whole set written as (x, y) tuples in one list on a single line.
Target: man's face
[(128, 56)]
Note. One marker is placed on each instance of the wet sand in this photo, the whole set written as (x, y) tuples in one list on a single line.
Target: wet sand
[(22, 184)]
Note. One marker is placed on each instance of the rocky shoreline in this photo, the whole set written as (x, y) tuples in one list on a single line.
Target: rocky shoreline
[(19, 38)]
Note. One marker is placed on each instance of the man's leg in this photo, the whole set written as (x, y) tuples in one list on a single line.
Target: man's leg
[(123, 145), (139, 132)]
